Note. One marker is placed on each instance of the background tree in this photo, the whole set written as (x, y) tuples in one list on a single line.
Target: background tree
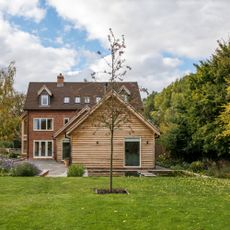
[(188, 110), (11, 105), (113, 114), (225, 116), (149, 106)]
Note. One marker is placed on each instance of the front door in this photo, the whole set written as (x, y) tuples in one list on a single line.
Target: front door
[(66, 149), (132, 152)]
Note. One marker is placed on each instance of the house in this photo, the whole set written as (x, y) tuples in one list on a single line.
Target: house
[(57, 123)]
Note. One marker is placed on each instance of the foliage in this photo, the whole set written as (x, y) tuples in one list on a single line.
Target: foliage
[(6, 164), (188, 111), (159, 203), (9, 154), (25, 169), (164, 160), (220, 169), (6, 144), (225, 115), (11, 103), (75, 170), (113, 115), (149, 105), (13, 155), (197, 166)]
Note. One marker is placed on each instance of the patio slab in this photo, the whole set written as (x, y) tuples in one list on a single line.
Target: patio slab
[(56, 169)]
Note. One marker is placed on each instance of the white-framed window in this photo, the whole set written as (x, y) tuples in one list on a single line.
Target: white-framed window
[(87, 100), (24, 148), (43, 124), (98, 99), (43, 149), (44, 100), (66, 100), (125, 97), (66, 120), (77, 100)]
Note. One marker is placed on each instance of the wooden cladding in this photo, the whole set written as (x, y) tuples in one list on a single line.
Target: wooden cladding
[(91, 145)]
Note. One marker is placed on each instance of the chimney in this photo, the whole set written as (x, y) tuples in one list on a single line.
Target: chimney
[(60, 80)]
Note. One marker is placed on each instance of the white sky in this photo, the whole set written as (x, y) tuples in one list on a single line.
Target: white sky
[(164, 37)]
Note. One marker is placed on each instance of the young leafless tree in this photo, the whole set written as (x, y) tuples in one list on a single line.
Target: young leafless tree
[(113, 114)]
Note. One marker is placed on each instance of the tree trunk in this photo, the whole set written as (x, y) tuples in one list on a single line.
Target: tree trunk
[(111, 163)]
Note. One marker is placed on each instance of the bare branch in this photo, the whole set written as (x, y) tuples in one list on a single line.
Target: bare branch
[(113, 114)]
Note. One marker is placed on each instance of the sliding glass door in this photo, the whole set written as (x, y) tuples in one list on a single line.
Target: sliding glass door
[(132, 151)]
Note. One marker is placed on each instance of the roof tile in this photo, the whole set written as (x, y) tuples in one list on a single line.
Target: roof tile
[(74, 89)]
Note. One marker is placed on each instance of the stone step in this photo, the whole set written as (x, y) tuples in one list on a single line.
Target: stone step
[(148, 174), (44, 172)]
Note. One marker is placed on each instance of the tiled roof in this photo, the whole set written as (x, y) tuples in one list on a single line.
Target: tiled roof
[(74, 89)]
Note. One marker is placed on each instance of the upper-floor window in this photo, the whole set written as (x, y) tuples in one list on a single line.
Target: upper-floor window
[(66, 100), (98, 99), (87, 99), (77, 100), (66, 120), (24, 127), (45, 100), (43, 124)]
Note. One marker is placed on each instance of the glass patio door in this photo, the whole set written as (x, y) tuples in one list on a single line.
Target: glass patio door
[(43, 149), (132, 152), (66, 149)]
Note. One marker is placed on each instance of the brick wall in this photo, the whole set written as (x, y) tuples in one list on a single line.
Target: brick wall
[(58, 122)]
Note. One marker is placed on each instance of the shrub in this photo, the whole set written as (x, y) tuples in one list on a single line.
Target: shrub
[(25, 169), (177, 167), (180, 166), (219, 170), (76, 170), (197, 166), (165, 161), (5, 164), (3, 152), (6, 144), (13, 155)]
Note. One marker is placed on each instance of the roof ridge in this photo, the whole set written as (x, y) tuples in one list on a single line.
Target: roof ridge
[(45, 82), (73, 89)]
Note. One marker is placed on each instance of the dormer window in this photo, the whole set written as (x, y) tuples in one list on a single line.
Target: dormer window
[(44, 100), (77, 100), (125, 93), (66, 100), (87, 100), (44, 94), (126, 97), (98, 99)]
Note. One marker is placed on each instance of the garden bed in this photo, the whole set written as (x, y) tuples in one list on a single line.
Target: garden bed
[(114, 191), (17, 167)]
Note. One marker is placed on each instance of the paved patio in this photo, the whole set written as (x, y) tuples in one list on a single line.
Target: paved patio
[(56, 169)]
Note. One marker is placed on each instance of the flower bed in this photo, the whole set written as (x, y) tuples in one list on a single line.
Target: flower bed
[(15, 167), (114, 191)]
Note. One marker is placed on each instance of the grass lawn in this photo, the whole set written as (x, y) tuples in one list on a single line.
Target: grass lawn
[(153, 203)]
